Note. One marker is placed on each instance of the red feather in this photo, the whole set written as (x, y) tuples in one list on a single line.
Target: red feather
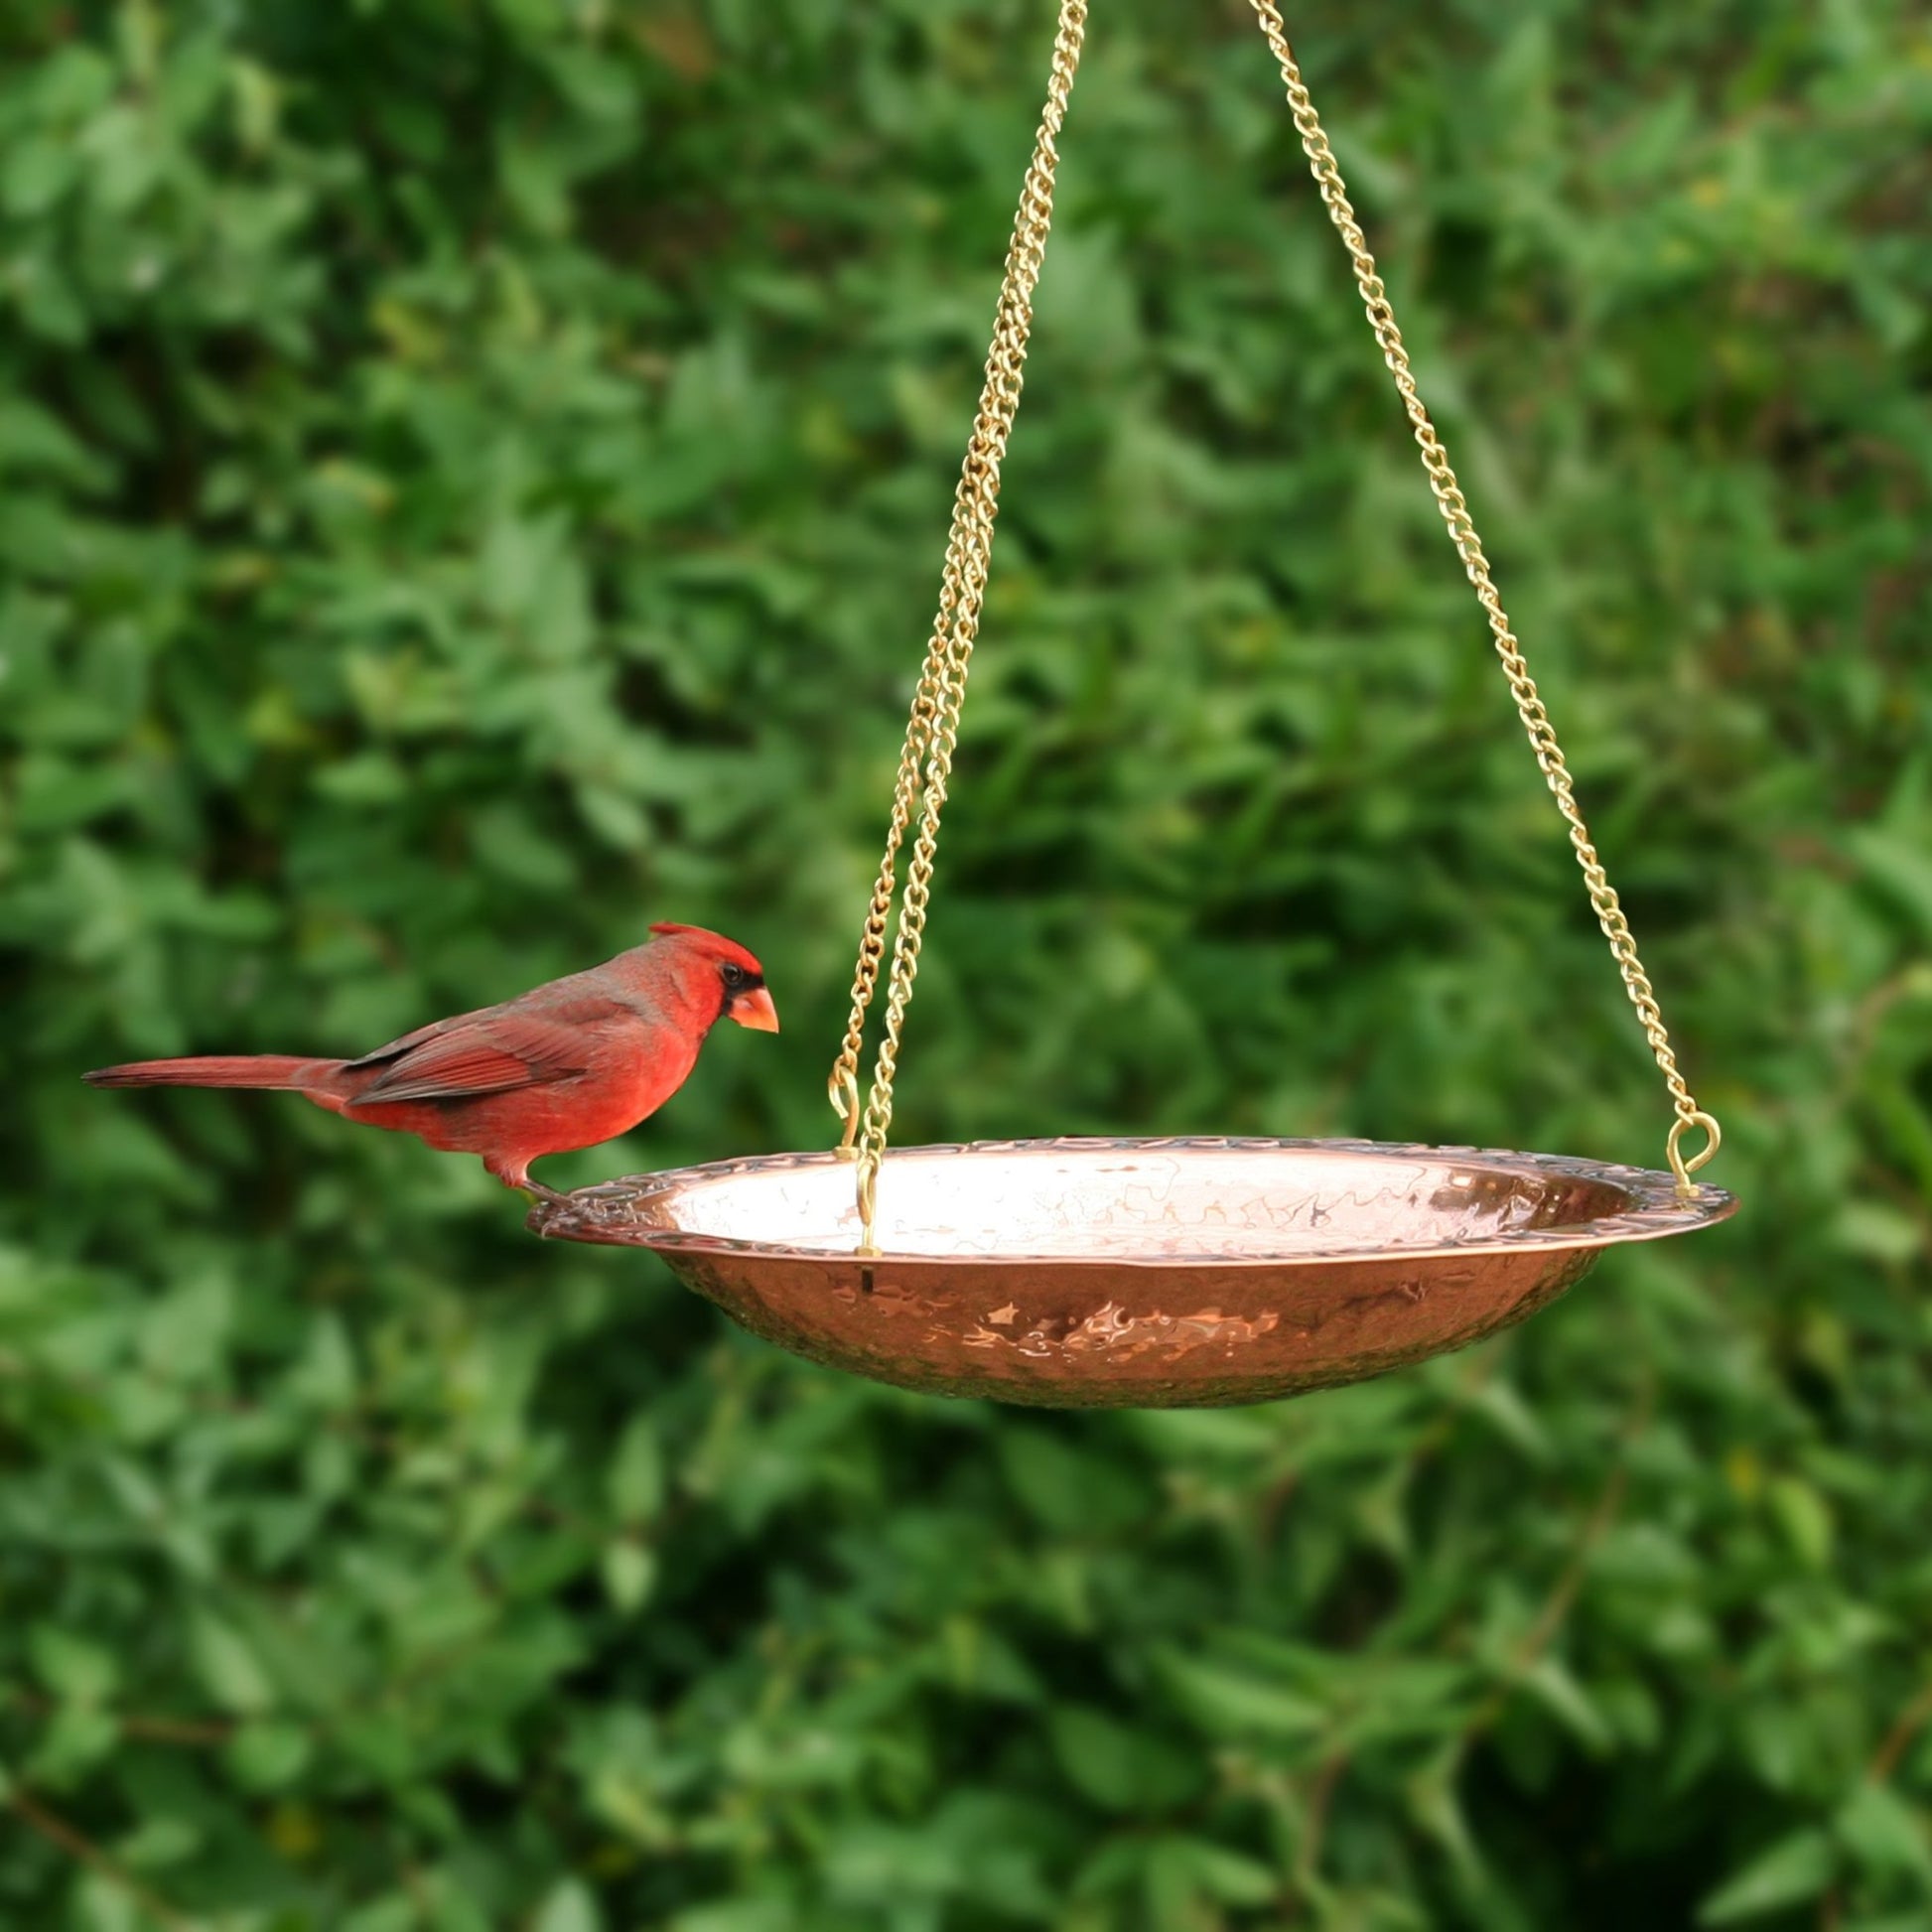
[(493, 1053)]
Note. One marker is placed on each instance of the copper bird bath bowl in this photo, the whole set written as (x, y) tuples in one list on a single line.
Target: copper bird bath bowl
[(1136, 1273)]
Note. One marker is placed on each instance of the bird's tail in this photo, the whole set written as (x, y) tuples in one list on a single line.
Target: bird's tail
[(283, 1071)]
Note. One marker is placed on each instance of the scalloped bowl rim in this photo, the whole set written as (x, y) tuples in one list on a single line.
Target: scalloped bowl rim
[(1654, 1208)]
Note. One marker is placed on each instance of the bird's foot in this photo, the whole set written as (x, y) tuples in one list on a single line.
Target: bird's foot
[(517, 1179)]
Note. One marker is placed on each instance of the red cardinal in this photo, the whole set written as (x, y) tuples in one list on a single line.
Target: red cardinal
[(565, 1065)]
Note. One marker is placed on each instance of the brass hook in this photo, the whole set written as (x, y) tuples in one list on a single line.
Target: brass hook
[(1682, 1167)]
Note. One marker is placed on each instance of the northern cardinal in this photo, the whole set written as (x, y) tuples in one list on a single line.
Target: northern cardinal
[(563, 1066)]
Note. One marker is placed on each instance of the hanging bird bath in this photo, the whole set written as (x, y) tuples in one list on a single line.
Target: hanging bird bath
[(1148, 1273)]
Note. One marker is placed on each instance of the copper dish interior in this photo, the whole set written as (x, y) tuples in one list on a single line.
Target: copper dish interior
[(1136, 1272)]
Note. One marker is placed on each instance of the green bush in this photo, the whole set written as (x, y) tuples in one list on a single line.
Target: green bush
[(475, 474)]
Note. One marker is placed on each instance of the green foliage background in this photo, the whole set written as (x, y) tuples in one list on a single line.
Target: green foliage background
[(474, 472)]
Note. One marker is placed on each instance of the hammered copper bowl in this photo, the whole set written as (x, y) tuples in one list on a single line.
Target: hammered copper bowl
[(1136, 1273)]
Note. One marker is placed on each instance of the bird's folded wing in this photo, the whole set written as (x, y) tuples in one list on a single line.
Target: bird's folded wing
[(493, 1053), (395, 1048)]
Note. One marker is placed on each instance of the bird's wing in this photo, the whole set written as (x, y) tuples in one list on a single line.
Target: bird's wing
[(494, 1051), (394, 1049), (571, 999)]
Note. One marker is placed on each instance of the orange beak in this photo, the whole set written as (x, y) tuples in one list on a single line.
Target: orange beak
[(755, 1010)]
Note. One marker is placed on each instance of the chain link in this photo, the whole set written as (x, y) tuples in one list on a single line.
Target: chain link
[(1456, 514), (931, 735)]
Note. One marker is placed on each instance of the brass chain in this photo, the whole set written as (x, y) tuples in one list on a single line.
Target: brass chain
[(1463, 532), (842, 1086), (932, 733)]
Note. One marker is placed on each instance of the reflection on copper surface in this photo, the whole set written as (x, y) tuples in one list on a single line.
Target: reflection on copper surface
[(1136, 1273)]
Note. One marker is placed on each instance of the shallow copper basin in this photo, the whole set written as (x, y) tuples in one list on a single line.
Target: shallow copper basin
[(1136, 1273)]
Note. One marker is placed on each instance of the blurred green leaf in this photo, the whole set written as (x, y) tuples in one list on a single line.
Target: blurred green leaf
[(628, 1572), (228, 1667), (1118, 1766), (1796, 1869), (636, 1473), (70, 1667), (569, 1907), (266, 1757), (1233, 1702), (1884, 1833)]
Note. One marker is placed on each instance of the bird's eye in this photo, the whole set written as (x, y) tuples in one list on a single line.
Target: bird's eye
[(735, 977)]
